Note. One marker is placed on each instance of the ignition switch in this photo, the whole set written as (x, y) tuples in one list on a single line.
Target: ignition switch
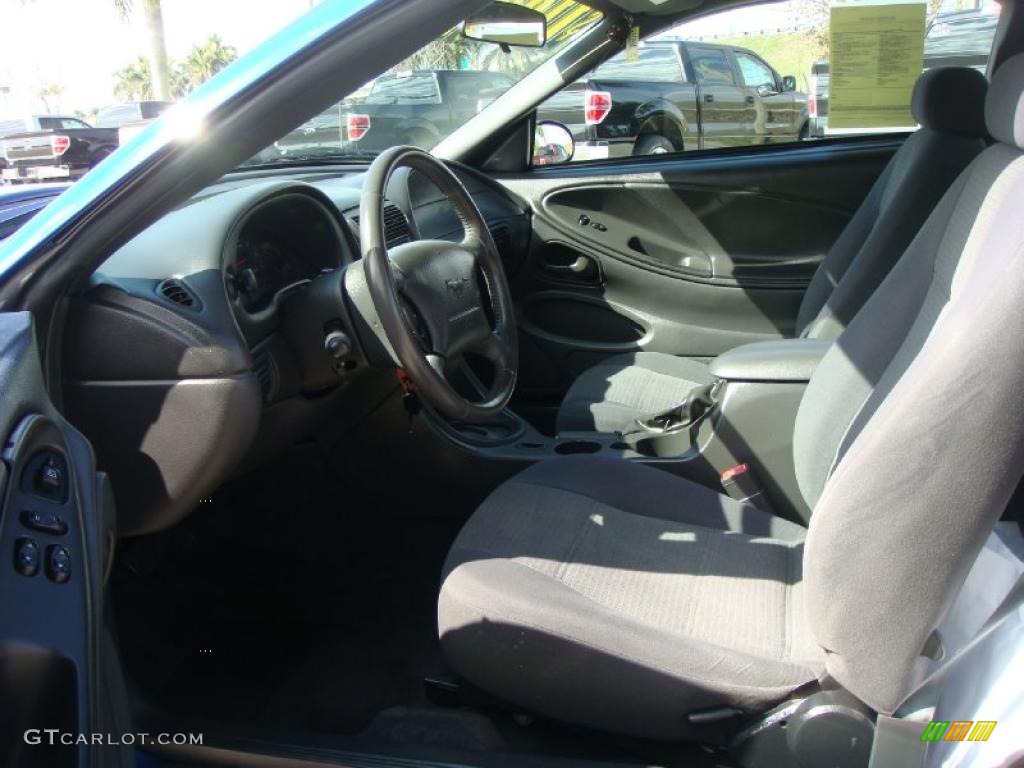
[(337, 345)]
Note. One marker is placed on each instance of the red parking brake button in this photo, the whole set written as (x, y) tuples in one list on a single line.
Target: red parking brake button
[(732, 472)]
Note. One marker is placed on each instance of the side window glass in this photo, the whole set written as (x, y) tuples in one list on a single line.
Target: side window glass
[(755, 74), (711, 66)]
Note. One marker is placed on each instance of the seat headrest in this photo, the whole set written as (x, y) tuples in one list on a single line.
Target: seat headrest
[(1004, 107), (951, 100)]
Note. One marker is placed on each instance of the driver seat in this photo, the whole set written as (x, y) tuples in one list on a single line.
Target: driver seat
[(621, 597)]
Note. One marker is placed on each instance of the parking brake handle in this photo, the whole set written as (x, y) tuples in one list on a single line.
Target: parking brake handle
[(668, 433), (686, 414)]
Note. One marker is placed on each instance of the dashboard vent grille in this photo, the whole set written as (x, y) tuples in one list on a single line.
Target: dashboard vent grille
[(396, 226), (177, 292), (265, 367)]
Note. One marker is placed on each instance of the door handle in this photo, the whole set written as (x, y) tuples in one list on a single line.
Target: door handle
[(750, 100), (709, 98), (577, 268)]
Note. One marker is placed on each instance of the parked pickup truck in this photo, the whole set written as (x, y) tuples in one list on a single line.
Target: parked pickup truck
[(64, 151), (421, 106), (673, 95), (817, 102)]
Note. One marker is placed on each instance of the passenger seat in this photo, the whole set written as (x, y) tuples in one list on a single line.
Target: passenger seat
[(949, 104)]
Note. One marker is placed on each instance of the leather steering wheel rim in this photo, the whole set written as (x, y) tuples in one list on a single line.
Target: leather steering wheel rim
[(442, 285)]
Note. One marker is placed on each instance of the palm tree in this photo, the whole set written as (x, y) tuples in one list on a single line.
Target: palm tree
[(49, 94), (158, 63), (206, 60), (132, 82)]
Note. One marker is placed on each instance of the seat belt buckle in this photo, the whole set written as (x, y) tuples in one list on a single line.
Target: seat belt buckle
[(741, 483)]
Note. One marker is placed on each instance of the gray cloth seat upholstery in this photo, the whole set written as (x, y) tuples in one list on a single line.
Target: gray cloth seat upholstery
[(623, 598), (948, 102), (615, 570)]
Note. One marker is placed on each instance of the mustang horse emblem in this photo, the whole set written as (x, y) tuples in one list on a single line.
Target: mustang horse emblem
[(457, 286)]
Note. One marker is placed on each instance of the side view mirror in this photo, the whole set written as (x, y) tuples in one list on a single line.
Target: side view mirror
[(552, 144), (788, 84), (507, 24)]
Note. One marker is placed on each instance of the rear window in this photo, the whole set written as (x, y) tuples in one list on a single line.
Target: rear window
[(154, 109), (650, 63), (112, 117), (60, 123), (414, 88), (960, 37)]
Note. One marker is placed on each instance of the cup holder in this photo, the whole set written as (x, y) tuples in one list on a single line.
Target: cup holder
[(577, 446)]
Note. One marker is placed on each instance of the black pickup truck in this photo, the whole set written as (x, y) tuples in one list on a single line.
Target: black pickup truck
[(420, 106), (673, 95), (65, 152)]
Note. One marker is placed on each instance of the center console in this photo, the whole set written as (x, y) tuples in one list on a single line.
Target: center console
[(745, 417)]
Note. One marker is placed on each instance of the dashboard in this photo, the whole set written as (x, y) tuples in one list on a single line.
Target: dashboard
[(198, 347)]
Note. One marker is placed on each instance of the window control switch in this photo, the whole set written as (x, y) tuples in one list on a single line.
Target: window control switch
[(58, 564), (44, 522), (26, 557)]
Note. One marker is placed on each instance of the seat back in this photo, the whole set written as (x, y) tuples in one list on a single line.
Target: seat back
[(909, 440), (949, 103)]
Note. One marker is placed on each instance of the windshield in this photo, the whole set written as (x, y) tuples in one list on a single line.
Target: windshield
[(426, 97)]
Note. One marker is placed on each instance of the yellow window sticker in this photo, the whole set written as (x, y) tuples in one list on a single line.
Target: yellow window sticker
[(633, 45), (876, 52)]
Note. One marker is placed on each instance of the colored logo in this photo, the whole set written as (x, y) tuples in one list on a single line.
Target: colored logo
[(958, 730)]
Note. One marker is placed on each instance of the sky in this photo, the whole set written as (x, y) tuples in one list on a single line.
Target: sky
[(90, 42)]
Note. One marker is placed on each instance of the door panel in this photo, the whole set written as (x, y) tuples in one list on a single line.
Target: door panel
[(690, 255), (56, 539)]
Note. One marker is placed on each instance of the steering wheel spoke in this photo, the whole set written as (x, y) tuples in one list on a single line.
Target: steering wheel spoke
[(495, 350), (442, 364)]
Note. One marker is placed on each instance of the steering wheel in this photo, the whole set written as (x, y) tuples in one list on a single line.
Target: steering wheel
[(438, 300)]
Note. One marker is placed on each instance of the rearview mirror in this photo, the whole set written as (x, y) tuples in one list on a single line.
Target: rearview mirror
[(788, 84), (507, 24)]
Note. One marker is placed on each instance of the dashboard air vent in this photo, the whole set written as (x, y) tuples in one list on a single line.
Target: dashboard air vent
[(396, 226), (265, 367), (177, 292)]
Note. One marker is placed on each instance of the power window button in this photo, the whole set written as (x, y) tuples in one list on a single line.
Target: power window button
[(50, 477), (58, 564), (26, 557), (44, 522), (46, 475)]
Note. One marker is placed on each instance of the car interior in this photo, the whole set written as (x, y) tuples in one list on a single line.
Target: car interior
[(681, 459)]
